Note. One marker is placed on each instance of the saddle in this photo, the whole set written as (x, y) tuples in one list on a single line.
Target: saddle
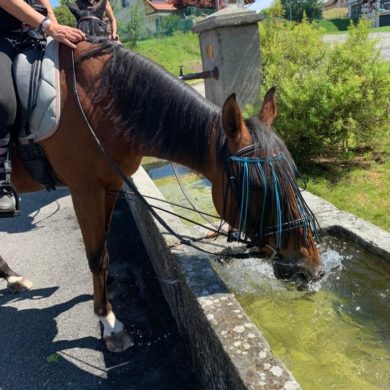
[(36, 78)]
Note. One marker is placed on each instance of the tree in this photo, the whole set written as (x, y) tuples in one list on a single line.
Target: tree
[(133, 29), (63, 14), (295, 9), (170, 24), (276, 10)]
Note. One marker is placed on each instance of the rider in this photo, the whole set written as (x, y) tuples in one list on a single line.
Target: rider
[(108, 17), (16, 17)]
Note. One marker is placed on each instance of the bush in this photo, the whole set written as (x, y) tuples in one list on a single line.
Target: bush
[(329, 96), (64, 16), (170, 24), (134, 29)]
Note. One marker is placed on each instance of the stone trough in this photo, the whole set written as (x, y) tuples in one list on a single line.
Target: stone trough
[(226, 348)]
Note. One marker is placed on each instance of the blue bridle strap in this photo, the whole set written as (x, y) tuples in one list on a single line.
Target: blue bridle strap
[(275, 182)]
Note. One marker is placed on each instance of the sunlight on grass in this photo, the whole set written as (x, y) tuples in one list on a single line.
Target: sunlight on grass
[(363, 192), (173, 52)]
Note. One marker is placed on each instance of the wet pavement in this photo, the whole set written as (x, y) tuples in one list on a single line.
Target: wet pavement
[(49, 337)]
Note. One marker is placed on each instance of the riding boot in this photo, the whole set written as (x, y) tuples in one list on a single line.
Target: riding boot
[(9, 200)]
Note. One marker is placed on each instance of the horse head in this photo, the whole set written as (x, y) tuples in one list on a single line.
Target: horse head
[(258, 194), (89, 18)]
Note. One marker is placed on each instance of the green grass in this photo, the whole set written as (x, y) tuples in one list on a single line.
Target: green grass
[(380, 29), (340, 26), (333, 26), (172, 52), (360, 191), (335, 13)]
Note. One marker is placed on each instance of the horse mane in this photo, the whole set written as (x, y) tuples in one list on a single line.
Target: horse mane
[(148, 103)]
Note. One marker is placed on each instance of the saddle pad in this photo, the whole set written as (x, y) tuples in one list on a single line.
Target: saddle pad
[(45, 116)]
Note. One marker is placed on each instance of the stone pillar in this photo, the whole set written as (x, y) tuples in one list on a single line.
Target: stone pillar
[(229, 40)]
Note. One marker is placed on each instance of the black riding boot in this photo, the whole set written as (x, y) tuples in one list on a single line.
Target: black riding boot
[(9, 200)]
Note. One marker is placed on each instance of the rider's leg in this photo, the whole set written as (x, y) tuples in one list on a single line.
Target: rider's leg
[(7, 118)]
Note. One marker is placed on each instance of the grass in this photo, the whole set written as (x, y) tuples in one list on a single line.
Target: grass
[(173, 52), (360, 188), (335, 13), (340, 26)]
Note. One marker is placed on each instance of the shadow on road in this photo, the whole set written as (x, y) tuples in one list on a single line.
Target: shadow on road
[(29, 358), (30, 207)]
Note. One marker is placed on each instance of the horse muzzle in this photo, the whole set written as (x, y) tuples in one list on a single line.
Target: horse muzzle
[(298, 272)]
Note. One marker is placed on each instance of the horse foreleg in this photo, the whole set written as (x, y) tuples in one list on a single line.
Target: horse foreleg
[(93, 212), (15, 282)]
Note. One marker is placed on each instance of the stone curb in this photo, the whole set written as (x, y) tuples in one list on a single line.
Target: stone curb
[(227, 350)]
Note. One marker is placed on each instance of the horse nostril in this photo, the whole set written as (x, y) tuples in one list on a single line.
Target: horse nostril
[(321, 274)]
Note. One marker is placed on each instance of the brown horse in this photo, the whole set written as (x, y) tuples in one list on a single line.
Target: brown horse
[(138, 109)]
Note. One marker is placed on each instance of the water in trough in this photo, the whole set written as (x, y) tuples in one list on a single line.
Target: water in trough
[(336, 335)]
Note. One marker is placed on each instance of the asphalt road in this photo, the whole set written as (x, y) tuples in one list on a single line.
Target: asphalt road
[(49, 337)]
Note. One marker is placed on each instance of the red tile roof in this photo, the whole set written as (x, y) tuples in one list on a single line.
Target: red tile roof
[(161, 5), (168, 5)]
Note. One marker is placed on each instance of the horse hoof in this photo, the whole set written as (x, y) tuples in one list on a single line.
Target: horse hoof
[(118, 342), (19, 285)]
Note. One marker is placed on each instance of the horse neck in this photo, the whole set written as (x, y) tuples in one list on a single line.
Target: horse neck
[(208, 166), (187, 150)]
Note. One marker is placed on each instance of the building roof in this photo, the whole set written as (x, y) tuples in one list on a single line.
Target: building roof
[(161, 5)]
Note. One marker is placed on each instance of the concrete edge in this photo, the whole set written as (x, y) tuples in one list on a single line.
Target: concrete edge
[(227, 350)]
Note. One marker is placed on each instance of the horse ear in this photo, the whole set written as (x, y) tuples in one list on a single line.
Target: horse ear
[(100, 8), (232, 118), (268, 110), (73, 7)]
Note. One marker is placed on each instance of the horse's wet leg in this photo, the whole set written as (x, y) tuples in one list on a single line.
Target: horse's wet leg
[(94, 213), (15, 282)]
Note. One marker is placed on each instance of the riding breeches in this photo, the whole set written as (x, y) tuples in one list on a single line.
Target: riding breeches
[(8, 103)]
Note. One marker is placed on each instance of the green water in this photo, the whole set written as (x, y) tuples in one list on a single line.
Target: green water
[(334, 337), (197, 188)]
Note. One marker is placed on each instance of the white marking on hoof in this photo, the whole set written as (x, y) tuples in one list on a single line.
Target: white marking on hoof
[(111, 325), (114, 334), (18, 284)]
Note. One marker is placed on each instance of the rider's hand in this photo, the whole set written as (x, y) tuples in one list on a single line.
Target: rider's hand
[(115, 37), (65, 34)]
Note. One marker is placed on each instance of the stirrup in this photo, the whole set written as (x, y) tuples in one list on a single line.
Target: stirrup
[(12, 190)]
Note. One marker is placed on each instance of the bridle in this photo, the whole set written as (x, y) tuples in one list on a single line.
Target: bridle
[(239, 187)]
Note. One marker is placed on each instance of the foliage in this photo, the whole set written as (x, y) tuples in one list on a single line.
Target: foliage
[(63, 14), (132, 30), (276, 10), (296, 9), (170, 24), (329, 97), (333, 25)]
